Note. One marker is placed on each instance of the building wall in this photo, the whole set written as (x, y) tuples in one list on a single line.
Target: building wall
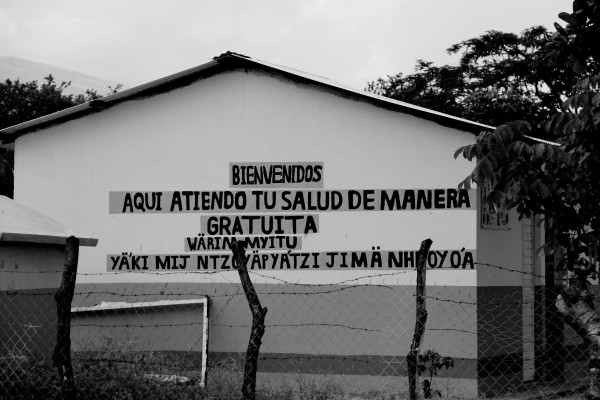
[(509, 274), (185, 140), (30, 274), (362, 330)]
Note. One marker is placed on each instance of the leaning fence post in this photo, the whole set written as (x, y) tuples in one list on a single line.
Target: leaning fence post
[(421, 318), (258, 322), (61, 356)]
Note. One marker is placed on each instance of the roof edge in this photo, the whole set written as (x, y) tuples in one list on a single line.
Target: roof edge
[(225, 62), (10, 134), (44, 239)]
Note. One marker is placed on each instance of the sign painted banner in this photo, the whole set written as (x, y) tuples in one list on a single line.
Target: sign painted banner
[(276, 175), (272, 221), (259, 224), (308, 261), (204, 242), (250, 201)]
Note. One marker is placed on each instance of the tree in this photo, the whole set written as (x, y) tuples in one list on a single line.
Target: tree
[(500, 77), (433, 87), (559, 182), (7, 162), (20, 102)]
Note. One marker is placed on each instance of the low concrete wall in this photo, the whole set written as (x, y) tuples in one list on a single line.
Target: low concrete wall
[(341, 326)]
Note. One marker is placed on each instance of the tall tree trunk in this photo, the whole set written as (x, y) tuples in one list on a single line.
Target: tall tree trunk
[(576, 305), (258, 322)]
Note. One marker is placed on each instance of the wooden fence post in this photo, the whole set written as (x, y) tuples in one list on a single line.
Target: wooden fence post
[(258, 322), (61, 356), (412, 359)]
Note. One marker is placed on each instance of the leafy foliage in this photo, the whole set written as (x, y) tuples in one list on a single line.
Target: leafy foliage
[(20, 102), (432, 362), (433, 87), (23, 101), (559, 181), (580, 37), (7, 162), (501, 77)]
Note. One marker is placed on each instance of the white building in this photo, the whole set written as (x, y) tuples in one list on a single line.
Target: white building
[(189, 139)]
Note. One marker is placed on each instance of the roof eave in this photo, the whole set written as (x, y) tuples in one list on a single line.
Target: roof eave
[(44, 239), (225, 62), (10, 134)]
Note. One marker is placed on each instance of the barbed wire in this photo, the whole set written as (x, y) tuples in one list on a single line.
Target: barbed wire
[(265, 293), (366, 319)]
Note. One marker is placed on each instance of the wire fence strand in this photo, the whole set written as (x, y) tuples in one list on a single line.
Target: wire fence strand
[(344, 338)]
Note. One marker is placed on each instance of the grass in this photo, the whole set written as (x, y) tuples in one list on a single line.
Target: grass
[(124, 375), (134, 376), (116, 372), (99, 379)]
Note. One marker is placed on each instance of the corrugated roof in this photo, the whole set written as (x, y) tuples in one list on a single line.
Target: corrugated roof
[(19, 223), (227, 62)]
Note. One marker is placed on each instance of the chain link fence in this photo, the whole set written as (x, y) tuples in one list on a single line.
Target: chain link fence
[(347, 338)]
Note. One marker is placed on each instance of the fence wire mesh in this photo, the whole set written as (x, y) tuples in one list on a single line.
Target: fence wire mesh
[(344, 339)]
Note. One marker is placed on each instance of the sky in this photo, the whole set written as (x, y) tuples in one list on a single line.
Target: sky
[(349, 41)]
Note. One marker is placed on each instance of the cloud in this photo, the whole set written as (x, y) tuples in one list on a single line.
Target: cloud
[(351, 41)]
